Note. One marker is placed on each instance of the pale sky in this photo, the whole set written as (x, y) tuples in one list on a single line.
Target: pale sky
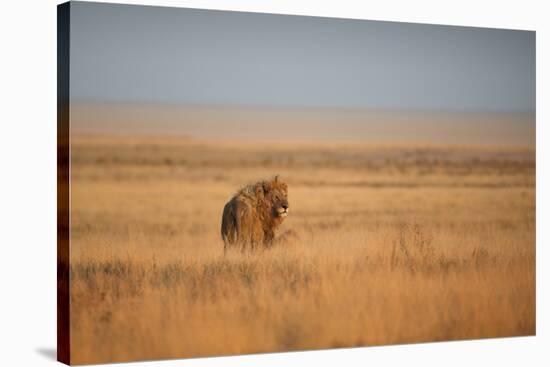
[(145, 54)]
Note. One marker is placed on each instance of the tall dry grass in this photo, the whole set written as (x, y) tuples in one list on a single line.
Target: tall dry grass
[(397, 244)]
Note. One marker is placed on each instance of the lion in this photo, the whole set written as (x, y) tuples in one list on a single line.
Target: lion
[(254, 213)]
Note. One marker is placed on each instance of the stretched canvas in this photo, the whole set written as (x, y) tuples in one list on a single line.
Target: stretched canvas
[(233, 183)]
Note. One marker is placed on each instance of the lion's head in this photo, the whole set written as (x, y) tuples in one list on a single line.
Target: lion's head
[(275, 192)]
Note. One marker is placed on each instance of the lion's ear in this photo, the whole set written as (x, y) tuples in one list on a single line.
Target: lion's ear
[(276, 179)]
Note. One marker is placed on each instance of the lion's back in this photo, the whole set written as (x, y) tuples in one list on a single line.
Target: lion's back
[(241, 221)]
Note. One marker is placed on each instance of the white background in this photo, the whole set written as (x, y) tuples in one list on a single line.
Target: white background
[(28, 181)]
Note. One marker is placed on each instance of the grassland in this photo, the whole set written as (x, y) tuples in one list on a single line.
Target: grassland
[(398, 244)]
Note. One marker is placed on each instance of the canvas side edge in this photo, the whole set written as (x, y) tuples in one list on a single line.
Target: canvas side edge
[(63, 178)]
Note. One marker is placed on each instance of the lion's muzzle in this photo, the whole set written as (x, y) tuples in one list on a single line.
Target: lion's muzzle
[(282, 211)]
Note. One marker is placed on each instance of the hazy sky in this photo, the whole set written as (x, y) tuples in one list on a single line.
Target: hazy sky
[(124, 53)]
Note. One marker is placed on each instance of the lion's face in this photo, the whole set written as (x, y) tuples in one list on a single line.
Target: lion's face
[(277, 193)]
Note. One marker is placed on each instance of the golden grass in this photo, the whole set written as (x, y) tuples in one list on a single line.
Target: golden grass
[(398, 244)]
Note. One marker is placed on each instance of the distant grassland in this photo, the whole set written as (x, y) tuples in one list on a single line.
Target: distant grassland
[(334, 124), (398, 244)]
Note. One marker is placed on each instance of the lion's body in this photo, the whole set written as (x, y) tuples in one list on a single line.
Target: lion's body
[(251, 216)]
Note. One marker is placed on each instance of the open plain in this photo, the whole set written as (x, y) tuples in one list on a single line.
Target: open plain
[(397, 244)]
